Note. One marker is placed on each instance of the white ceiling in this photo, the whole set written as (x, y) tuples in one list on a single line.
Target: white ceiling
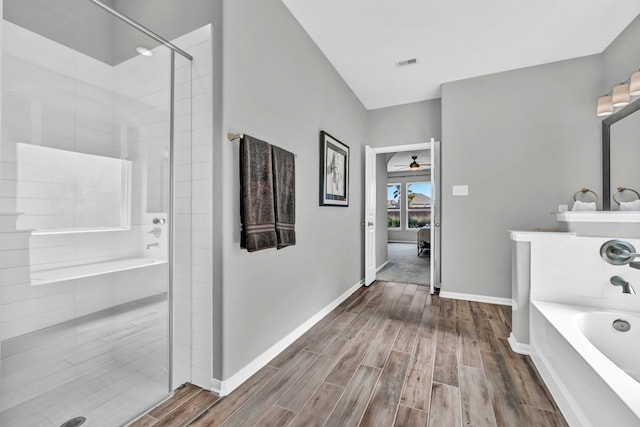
[(453, 39)]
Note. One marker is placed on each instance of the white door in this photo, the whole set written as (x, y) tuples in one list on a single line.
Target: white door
[(435, 215), (369, 216)]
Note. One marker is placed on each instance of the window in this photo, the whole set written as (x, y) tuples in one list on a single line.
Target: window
[(418, 204), (393, 206)]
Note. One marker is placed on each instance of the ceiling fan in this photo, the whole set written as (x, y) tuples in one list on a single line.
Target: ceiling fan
[(414, 165)]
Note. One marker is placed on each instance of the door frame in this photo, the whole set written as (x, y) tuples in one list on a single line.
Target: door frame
[(370, 179)]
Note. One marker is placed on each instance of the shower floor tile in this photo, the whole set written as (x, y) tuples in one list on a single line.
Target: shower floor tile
[(106, 367)]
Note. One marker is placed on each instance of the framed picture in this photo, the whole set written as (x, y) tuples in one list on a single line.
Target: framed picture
[(334, 171)]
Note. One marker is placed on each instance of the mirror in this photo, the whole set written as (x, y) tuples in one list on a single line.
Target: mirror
[(620, 152)]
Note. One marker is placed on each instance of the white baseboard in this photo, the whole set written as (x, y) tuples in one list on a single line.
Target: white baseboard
[(519, 347), (224, 387), (478, 298), (384, 264)]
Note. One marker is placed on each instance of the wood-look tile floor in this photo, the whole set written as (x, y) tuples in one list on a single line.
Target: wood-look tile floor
[(390, 355)]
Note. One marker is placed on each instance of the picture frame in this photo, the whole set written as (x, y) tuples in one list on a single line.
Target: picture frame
[(334, 171)]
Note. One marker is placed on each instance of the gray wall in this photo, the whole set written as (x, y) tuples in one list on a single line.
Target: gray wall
[(79, 25), (622, 57), (537, 144), (524, 141), (278, 86), (398, 125), (382, 239), (87, 28), (404, 124), (168, 18)]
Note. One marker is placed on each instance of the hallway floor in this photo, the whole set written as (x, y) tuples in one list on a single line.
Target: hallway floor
[(390, 355), (405, 266)]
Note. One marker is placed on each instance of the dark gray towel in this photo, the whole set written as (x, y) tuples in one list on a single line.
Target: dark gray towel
[(256, 196), (284, 191)]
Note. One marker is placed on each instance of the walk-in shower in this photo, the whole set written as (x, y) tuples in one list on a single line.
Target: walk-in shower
[(95, 111)]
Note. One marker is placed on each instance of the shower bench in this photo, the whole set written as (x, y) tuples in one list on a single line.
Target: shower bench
[(61, 274)]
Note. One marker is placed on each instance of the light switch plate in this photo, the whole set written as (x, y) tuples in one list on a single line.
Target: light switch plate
[(460, 190)]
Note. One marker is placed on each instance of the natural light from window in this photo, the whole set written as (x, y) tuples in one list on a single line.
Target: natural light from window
[(418, 204), (393, 206)]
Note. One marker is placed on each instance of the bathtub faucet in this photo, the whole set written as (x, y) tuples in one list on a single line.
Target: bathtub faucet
[(619, 252), (626, 286), (150, 245)]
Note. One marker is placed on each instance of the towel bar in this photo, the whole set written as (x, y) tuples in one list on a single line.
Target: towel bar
[(234, 136)]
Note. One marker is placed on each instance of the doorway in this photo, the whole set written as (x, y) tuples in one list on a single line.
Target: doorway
[(398, 218), (408, 217)]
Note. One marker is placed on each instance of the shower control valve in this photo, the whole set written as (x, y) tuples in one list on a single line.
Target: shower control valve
[(156, 231)]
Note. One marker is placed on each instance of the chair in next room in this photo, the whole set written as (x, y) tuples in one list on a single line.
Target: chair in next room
[(424, 241)]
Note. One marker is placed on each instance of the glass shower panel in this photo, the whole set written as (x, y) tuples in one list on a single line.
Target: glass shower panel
[(85, 225)]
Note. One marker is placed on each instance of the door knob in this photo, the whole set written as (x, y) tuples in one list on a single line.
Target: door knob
[(370, 224), (437, 224)]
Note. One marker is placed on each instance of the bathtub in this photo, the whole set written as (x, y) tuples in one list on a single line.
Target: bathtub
[(591, 369)]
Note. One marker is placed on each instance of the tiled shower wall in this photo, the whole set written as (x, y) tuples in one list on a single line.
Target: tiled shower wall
[(57, 97), (192, 285), (199, 44)]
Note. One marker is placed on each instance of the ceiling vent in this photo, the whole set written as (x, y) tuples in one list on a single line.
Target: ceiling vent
[(407, 62)]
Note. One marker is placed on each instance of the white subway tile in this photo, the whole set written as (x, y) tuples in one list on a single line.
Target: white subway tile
[(202, 273), (14, 276), (201, 377), (202, 223), (15, 293), (202, 153), (203, 102), (202, 343), (202, 205), (202, 171), (14, 258), (32, 307), (202, 119), (202, 240), (194, 38), (201, 360)]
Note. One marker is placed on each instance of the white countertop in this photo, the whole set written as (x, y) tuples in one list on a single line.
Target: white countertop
[(598, 216)]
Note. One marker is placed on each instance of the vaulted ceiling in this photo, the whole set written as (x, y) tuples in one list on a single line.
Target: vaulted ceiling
[(452, 39)]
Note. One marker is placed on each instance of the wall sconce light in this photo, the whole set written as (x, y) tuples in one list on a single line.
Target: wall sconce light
[(605, 106), (621, 96), (634, 84)]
